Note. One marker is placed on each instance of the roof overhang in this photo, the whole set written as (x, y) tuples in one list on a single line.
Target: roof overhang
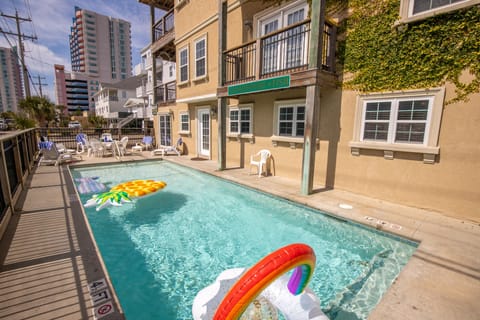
[(134, 102), (160, 4)]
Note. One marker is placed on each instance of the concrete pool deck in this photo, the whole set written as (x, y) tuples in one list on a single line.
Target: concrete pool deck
[(48, 258)]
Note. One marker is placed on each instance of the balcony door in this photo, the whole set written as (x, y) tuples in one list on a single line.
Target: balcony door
[(287, 49), (165, 132), (203, 136)]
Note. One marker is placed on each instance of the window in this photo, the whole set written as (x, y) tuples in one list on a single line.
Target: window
[(183, 64), (288, 49), (426, 5), (201, 58), (412, 10), (240, 118), (184, 122), (396, 120), (291, 120), (404, 121)]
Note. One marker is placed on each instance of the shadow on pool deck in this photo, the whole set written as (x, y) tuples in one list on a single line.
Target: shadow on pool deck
[(47, 256)]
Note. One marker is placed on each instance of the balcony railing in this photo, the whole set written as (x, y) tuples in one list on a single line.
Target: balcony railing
[(141, 92), (166, 92), (165, 25), (277, 53)]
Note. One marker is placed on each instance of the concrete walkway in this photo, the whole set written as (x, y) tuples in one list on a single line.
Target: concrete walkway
[(48, 257)]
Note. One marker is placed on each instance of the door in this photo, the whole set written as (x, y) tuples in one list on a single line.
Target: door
[(270, 45), (287, 49), (165, 136), (296, 49), (203, 134)]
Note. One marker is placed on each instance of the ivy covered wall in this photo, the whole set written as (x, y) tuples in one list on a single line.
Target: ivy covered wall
[(379, 56)]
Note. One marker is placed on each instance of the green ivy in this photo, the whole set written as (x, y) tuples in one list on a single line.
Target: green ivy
[(427, 53)]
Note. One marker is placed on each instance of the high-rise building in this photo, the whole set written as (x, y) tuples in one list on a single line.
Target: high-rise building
[(100, 50), (100, 46), (10, 80), (71, 89)]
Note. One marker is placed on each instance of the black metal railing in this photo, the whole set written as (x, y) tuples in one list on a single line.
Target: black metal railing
[(285, 50), (165, 25), (166, 92), (240, 63), (17, 155), (281, 52)]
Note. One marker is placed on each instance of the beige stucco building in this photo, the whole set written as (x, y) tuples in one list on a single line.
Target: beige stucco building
[(253, 75)]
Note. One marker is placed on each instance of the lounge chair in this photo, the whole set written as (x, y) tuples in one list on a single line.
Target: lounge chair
[(51, 155), (145, 144), (259, 160), (82, 142), (166, 149)]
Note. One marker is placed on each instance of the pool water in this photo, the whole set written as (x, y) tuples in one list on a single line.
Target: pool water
[(162, 249)]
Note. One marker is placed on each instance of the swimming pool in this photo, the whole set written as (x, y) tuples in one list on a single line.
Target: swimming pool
[(162, 249)]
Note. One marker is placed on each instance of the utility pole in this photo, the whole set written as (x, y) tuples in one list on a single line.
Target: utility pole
[(39, 84), (20, 44)]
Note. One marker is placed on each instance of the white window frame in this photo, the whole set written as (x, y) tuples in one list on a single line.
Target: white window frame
[(429, 147), (183, 65), (203, 38), (239, 108), (280, 13), (393, 121), (181, 122), (292, 140), (289, 104), (406, 10), (279, 51)]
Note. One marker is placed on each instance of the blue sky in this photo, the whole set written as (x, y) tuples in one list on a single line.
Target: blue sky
[(51, 21)]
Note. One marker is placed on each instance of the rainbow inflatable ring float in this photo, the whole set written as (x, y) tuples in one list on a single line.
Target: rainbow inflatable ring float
[(297, 256), (123, 192)]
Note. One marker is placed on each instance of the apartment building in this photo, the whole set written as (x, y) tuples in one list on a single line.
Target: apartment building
[(111, 99), (255, 75), (10, 80), (100, 48), (72, 90), (165, 86)]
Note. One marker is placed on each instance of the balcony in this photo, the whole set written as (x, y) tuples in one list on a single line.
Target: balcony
[(149, 88), (284, 52), (166, 92), (141, 92), (164, 36)]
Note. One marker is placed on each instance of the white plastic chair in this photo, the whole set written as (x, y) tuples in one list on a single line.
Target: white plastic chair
[(95, 148), (121, 146), (106, 137), (259, 160)]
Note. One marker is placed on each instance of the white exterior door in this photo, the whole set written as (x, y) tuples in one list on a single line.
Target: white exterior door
[(203, 134)]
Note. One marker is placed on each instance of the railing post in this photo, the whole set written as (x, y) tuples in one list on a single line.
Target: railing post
[(258, 58)]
